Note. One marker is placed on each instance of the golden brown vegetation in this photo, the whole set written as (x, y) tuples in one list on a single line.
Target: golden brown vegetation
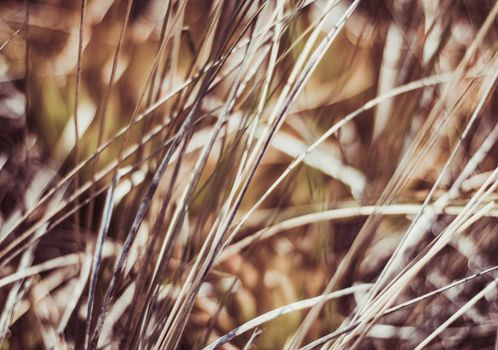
[(248, 174)]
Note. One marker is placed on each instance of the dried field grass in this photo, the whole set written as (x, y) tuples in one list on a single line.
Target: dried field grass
[(248, 174)]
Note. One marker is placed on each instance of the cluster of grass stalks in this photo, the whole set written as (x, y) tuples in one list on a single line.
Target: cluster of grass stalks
[(292, 174)]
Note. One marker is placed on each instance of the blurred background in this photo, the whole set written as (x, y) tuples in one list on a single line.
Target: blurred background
[(350, 201)]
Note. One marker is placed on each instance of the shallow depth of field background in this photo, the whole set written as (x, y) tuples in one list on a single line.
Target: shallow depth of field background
[(358, 175)]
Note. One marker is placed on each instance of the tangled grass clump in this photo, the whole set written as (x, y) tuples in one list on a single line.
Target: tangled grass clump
[(248, 174)]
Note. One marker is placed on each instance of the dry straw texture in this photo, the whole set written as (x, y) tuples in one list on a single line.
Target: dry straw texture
[(263, 174)]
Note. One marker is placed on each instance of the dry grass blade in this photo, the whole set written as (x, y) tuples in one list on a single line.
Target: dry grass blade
[(77, 99), (101, 117), (298, 305), (61, 261), (334, 214), (9, 39)]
